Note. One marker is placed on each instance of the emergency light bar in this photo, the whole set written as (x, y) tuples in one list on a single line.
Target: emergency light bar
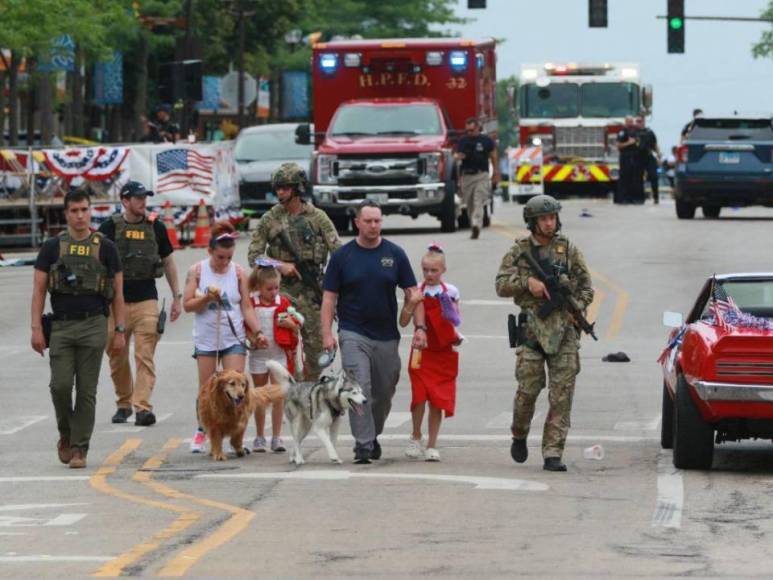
[(434, 58), (328, 62), (457, 59), (352, 59)]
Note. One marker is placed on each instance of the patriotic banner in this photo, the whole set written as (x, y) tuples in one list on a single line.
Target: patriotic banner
[(95, 163)]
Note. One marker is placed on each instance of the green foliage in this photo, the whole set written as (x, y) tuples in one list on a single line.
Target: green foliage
[(764, 48), (506, 111)]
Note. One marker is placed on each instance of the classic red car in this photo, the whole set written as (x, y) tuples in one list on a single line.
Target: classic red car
[(718, 369)]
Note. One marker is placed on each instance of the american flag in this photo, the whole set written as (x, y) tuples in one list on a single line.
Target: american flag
[(184, 168), (721, 306)]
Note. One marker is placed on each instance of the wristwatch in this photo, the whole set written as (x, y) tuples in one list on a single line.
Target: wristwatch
[(120, 328)]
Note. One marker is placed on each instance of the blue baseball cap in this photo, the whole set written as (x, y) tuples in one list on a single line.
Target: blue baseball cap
[(134, 188)]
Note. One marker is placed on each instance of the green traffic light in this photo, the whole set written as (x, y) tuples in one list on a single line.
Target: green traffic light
[(676, 23)]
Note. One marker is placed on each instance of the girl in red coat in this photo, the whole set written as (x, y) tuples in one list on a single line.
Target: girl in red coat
[(433, 371), (281, 325)]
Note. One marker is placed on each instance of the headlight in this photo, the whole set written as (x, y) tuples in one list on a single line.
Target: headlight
[(430, 163), (326, 169)]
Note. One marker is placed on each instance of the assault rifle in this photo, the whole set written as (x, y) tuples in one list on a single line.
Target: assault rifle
[(560, 297), (309, 278)]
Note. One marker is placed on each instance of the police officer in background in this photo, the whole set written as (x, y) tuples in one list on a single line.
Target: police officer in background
[(475, 151), (649, 153), (301, 237), (82, 271), (552, 341), (160, 129), (146, 254), (630, 188)]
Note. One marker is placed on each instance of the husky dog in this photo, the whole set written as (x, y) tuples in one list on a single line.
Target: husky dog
[(318, 406)]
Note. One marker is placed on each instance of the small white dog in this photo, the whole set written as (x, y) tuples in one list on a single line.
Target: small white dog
[(319, 406)]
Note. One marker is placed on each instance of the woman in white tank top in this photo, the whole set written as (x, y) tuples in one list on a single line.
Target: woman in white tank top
[(212, 282)]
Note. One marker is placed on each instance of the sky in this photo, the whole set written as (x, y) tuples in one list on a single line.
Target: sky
[(716, 73)]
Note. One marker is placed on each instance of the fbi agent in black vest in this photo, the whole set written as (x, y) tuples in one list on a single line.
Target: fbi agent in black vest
[(82, 271), (146, 254)]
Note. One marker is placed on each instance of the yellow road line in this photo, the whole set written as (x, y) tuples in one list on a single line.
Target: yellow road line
[(98, 481), (593, 310), (621, 304), (181, 563)]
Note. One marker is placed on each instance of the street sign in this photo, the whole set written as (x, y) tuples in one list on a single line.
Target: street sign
[(229, 90)]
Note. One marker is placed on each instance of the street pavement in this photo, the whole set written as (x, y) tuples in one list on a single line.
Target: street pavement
[(146, 506)]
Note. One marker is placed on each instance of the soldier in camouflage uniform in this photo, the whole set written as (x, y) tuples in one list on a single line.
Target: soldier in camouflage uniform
[(554, 340), (312, 237)]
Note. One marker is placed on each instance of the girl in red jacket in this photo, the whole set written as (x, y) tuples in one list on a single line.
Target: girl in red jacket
[(433, 371)]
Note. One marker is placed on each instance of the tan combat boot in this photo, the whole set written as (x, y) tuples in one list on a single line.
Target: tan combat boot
[(78, 460), (64, 450)]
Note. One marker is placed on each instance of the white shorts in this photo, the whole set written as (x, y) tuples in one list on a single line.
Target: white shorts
[(259, 357)]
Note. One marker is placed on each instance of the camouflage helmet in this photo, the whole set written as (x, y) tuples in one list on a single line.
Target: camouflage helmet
[(540, 205), (290, 174)]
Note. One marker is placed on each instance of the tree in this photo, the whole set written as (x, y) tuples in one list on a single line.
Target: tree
[(764, 48), (506, 94)]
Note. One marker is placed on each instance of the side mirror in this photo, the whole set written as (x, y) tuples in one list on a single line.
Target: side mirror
[(646, 98), (303, 134), (672, 319)]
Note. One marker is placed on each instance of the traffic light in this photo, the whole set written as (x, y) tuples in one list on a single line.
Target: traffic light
[(597, 13), (472, 4), (675, 24)]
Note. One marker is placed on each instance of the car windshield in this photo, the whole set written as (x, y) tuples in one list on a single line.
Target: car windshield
[(609, 99), (369, 120), (554, 100), (732, 129), (751, 296), (270, 145)]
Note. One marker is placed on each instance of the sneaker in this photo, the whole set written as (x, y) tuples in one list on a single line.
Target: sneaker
[(64, 450), (431, 454), (121, 415), (78, 460), (415, 448), (277, 446), (376, 453), (362, 456), (144, 419), (259, 445), (197, 443)]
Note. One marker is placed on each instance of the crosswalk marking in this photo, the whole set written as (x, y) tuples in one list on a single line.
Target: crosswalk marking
[(650, 425), (505, 419), (16, 424), (668, 508)]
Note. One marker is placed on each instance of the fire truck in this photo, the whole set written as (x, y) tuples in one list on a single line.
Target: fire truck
[(386, 115), (569, 117)]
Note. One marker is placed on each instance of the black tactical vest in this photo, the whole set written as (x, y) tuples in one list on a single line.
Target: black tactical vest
[(138, 249)]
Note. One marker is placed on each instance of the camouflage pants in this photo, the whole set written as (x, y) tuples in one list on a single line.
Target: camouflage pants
[(563, 368), (311, 332)]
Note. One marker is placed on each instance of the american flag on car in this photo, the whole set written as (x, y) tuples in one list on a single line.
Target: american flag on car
[(184, 169), (721, 306)]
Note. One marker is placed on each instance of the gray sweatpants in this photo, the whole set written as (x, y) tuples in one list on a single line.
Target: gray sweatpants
[(376, 366)]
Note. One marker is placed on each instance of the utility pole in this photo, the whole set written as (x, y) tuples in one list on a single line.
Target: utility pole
[(240, 65), (185, 129)]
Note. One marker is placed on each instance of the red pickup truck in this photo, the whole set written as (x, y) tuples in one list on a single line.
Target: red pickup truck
[(387, 113)]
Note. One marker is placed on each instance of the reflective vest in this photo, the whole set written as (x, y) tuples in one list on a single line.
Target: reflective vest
[(138, 249), (79, 271)]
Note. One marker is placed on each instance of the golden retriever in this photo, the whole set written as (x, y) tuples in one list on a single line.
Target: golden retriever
[(227, 401)]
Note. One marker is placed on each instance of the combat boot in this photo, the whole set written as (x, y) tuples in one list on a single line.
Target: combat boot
[(64, 450), (518, 450), (78, 460), (553, 464)]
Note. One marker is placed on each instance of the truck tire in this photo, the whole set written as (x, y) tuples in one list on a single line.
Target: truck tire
[(711, 211), (693, 437), (684, 210), (447, 214), (667, 420)]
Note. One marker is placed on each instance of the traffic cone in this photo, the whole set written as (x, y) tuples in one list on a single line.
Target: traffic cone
[(171, 231), (202, 234)]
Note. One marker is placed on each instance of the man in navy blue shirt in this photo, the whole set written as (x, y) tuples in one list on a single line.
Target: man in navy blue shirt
[(360, 284)]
